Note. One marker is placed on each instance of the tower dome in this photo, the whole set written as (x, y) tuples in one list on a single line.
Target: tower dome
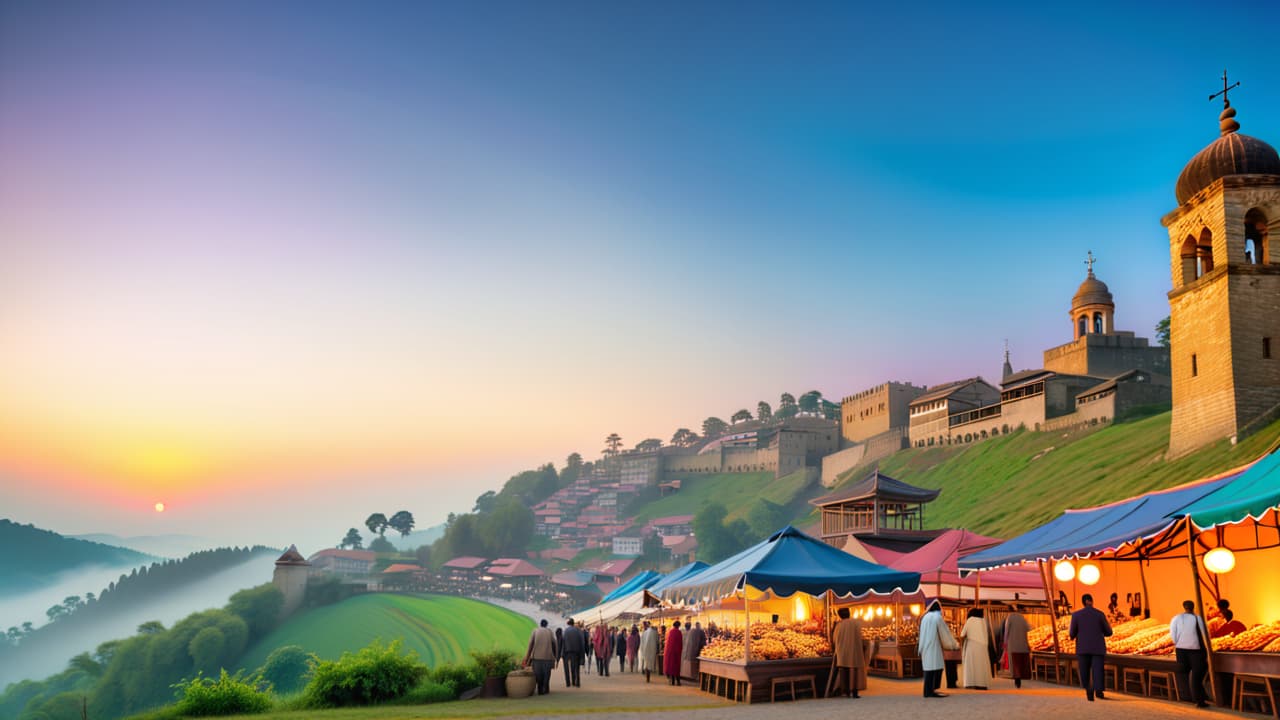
[(1091, 292), (1231, 154)]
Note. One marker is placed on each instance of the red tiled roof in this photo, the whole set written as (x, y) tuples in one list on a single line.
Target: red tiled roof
[(366, 555), (512, 567), (670, 540), (611, 567), (401, 567), (291, 557), (466, 562), (672, 520)]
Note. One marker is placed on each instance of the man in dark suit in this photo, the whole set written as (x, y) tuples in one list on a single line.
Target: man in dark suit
[(1090, 629), (571, 650)]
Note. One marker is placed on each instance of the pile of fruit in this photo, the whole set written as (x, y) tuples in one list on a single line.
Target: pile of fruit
[(1041, 638), (1264, 638), (772, 642)]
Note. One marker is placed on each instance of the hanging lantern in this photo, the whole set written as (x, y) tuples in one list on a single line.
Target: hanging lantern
[(1219, 560), (1090, 573), (1064, 571), (915, 609)]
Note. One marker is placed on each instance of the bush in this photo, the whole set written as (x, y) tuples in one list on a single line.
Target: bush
[(376, 673), (430, 692), (461, 677), (286, 668), (495, 663), (228, 695)]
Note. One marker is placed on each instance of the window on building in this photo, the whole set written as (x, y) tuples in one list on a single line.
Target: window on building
[(1266, 348), (1189, 264), (1082, 325), (1097, 323), (1255, 238), (1204, 253), (1195, 368)]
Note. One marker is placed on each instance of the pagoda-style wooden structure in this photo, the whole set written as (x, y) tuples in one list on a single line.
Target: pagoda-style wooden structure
[(880, 509)]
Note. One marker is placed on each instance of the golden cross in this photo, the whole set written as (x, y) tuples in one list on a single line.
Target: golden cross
[(1223, 92)]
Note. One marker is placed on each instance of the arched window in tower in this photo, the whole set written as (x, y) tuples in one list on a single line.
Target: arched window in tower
[(1097, 323), (1082, 325), (1255, 238), (1204, 253), (1190, 268)]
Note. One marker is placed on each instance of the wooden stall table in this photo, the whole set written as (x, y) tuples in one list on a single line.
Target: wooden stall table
[(753, 682), (1256, 674)]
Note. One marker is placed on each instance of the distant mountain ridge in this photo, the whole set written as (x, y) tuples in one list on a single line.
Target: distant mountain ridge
[(34, 557), (168, 546)]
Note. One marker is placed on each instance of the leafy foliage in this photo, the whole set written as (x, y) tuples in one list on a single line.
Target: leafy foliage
[(718, 539), (713, 427), (1162, 332), (228, 695), (352, 540), (376, 673), (287, 668), (495, 663)]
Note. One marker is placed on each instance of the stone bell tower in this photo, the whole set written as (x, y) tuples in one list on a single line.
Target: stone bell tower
[(1225, 303)]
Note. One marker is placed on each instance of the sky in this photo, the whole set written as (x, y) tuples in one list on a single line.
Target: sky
[(281, 265)]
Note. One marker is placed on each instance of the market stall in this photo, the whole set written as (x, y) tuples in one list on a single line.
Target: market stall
[(1140, 558), (766, 609)]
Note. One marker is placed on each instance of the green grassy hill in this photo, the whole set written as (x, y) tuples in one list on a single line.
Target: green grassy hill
[(440, 629), (1008, 485), (736, 491)]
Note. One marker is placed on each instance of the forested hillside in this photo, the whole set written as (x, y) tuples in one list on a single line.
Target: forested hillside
[(45, 554)]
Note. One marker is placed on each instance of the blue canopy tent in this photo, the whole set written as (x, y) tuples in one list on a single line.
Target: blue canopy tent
[(641, 581), (789, 562)]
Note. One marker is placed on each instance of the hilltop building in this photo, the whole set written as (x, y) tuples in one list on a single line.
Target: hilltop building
[(345, 564), (1224, 307), (878, 511)]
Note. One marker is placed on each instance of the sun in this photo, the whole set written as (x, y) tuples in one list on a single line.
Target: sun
[(159, 507)]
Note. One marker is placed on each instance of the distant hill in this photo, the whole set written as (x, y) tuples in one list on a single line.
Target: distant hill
[(1007, 485), (168, 546), (415, 539), (440, 629), (33, 557)]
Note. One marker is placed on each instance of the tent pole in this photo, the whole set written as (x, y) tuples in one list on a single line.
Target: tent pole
[(746, 633), (1204, 637), (977, 589), (1053, 618)]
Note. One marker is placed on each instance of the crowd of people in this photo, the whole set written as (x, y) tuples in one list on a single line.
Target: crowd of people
[(641, 648), (648, 648)]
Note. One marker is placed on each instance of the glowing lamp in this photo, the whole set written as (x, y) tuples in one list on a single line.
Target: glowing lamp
[(915, 609), (1090, 573), (801, 609), (879, 612), (1219, 560), (1064, 571)]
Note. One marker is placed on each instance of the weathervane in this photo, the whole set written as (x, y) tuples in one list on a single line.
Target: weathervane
[(1090, 262), (1223, 92)]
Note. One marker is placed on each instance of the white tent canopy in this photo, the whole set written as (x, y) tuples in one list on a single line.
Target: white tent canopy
[(612, 610)]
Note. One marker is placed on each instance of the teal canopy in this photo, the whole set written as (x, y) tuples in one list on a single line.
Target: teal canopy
[(790, 562), (1250, 495), (635, 584)]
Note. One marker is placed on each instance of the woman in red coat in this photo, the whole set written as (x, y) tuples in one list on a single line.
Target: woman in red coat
[(671, 653)]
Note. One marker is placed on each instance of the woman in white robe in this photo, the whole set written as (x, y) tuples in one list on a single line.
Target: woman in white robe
[(977, 642)]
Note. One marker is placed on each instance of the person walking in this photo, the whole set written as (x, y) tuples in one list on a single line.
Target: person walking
[(633, 647), (935, 637), (589, 654), (648, 650), (662, 647), (620, 649), (672, 654), (694, 640), (977, 644), (1017, 647), (601, 645), (851, 662), (1188, 633), (541, 655), (572, 647), (1090, 629)]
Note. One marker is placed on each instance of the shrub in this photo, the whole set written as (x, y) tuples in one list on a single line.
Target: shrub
[(228, 695), (376, 673), (495, 663), (430, 692), (462, 677), (286, 668)]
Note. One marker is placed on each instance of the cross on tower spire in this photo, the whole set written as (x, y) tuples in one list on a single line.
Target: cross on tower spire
[(1090, 262), (1225, 88)]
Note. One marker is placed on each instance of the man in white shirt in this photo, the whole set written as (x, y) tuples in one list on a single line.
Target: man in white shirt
[(1188, 633)]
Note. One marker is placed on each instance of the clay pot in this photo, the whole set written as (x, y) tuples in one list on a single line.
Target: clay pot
[(520, 683), (494, 687)]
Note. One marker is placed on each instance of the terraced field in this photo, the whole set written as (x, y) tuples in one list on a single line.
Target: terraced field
[(439, 628)]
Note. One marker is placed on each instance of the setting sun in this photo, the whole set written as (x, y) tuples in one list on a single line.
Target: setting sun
[(159, 507)]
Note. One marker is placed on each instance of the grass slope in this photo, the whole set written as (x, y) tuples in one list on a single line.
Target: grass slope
[(440, 629), (1008, 485), (736, 491)]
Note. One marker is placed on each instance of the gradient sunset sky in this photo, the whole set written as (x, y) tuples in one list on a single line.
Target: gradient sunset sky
[(280, 265)]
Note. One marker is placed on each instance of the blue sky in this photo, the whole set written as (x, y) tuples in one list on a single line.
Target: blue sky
[(384, 230)]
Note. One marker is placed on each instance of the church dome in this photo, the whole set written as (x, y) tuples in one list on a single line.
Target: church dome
[(1091, 292), (1231, 154)]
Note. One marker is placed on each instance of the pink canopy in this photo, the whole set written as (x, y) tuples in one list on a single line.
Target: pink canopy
[(938, 565)]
